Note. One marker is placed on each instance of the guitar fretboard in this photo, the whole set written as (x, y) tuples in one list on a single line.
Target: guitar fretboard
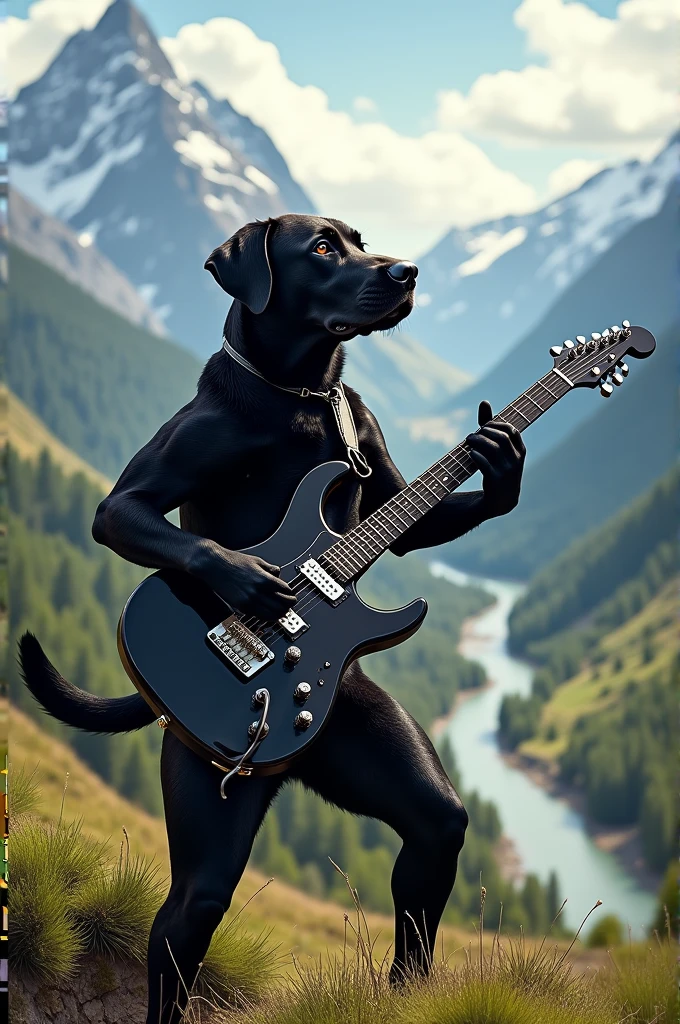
[(361, 546)]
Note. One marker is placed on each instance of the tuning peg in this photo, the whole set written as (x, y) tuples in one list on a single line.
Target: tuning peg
[(616, 330), (623, 367), (580, 339), (626, 325), (604, 340), (606, 389), (556, 351), (570, 348), (617, 378)]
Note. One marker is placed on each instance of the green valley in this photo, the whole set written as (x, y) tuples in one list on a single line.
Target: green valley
[(601, 629)]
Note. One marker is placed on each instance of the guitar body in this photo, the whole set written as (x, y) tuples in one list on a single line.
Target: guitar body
[(164, 646)]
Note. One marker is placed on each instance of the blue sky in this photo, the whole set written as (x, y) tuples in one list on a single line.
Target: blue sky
[(423, 114), (400, 53)]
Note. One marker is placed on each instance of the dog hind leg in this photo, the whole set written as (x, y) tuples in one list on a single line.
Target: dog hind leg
[(375, 760), (210, 840)]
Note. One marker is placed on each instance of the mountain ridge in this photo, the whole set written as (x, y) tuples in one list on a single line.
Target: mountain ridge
[(495, 281)]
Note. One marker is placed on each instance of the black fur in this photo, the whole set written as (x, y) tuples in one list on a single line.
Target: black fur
[(230, 460), (74, 706)]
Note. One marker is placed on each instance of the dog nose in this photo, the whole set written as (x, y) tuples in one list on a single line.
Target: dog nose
[(405, 273)]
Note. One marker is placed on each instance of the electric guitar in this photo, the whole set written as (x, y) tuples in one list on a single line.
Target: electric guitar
[(250, 695)]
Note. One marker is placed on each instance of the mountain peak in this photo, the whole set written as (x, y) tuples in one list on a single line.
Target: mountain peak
[(152, 172), (123, 19)]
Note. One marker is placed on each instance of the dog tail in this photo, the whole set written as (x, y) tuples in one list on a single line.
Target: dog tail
[(74, 706)]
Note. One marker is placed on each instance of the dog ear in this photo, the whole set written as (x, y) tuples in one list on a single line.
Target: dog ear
[(241, 265)]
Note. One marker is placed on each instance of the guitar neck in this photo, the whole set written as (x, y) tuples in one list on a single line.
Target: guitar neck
[(361, 546)]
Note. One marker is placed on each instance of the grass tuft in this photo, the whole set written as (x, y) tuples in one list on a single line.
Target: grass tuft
[(24, 795), (43, 944), (239, 967), (113, 910), (643, 983)]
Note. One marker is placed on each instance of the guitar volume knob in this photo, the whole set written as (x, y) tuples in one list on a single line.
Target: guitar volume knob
[(293, 655), (302, 692), (303, 720)]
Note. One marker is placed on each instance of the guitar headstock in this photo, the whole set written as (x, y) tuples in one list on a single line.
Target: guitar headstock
[(600, 361)]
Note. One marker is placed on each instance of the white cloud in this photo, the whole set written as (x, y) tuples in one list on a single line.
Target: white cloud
[(33, 42), (607, 82), (364, 105), (571, 175), (401, 191)]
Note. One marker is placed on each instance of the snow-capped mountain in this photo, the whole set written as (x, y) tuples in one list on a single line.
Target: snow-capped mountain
[(636, 279), (482, 289), (111, 142), (254, 141), (55, 244)]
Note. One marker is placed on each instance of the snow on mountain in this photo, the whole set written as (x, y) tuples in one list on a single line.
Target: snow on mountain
[(254, 141), (52, 242), (109, 141), (482, 289)]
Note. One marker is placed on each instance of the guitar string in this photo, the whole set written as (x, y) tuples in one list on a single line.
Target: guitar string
[(277, 632), (312, 595), (272, 632), (450, 456)]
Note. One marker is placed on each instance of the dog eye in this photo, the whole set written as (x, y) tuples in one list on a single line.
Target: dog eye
[(322, 248)]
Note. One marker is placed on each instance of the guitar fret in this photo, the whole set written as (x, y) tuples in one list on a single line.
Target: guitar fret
[(540, 408), (404, 495), (550, 392), (382, 511), (405, 525), (413, 490), (425, 483), (369, 525), (519, 413)]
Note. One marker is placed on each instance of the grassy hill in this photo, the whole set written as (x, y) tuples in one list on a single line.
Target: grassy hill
[(316, 977), (642, 649), (29, 436)]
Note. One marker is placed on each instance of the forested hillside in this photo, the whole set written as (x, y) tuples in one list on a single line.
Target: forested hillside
[(600, 624), (592, 568), (600, 466), (100, 383), (69, 591)]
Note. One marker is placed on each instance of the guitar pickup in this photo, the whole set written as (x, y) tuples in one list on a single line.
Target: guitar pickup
[(244, 651), (323, 582), (293, 625)]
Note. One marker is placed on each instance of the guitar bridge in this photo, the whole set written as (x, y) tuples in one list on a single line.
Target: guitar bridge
[(244, 651), (323, 582)]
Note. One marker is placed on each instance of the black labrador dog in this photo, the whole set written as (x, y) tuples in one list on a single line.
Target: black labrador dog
[(231, 460)]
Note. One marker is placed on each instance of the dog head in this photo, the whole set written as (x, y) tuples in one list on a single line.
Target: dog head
[(314, 271)]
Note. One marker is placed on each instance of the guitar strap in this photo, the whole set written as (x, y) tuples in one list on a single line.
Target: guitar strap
[(339, 404)]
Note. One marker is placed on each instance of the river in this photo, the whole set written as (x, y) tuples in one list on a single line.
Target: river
[(547, 833)]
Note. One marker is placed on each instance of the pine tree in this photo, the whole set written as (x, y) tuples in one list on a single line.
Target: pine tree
[(67, 585)]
